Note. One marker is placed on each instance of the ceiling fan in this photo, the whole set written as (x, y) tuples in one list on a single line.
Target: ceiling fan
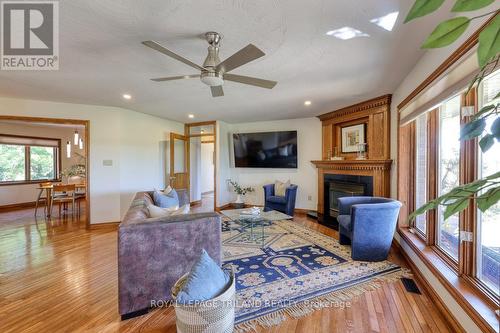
[(214, 72)]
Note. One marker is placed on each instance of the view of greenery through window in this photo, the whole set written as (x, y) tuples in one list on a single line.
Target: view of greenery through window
[(42, 163), (13, 163)]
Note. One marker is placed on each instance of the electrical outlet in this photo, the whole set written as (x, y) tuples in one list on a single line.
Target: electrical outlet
[(309, 197)]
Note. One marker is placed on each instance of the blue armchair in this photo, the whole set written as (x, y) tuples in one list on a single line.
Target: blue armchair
[(284, 204), (368, 224)]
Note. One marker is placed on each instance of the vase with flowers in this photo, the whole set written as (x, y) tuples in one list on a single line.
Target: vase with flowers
[(240, 192)]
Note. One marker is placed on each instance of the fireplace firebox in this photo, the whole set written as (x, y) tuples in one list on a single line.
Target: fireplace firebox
[(337, 186)]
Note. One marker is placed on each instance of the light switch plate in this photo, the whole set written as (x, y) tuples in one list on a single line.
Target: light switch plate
[(107, 162)]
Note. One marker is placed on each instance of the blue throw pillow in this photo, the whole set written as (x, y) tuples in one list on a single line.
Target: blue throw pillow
[(205, 281), (166, 200)]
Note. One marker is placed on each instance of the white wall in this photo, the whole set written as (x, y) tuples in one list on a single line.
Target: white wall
[(195, 169), (14, 194), (131, 140), (207, 167), (223, 163), (305, 176)]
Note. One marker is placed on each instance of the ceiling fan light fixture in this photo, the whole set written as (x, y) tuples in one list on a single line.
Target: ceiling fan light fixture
[(212, 79)]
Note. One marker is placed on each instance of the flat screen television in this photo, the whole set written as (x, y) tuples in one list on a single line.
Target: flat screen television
[(265, 149)]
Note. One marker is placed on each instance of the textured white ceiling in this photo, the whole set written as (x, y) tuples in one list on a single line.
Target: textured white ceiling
[(101, 56)]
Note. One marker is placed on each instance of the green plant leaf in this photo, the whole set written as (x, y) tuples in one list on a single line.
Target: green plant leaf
[(427, 206), (472, 129), (446, 32), (489, 42), (486, 142), (468, 5), (455, 207), (495, 128), (489, 198), (493, 176), (483, 111), (422, 7)]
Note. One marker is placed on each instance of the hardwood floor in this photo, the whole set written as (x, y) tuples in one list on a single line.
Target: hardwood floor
[(55, 276)]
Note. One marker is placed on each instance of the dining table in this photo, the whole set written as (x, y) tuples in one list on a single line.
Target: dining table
[(48, 193)]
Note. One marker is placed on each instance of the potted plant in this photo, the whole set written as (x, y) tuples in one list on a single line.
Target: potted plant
[(75, 173), (240, 191)]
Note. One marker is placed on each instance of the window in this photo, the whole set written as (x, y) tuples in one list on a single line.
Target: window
[(488, 224), (440, 163), (421, 170), (27, 159), (12, 163), (448, 172)]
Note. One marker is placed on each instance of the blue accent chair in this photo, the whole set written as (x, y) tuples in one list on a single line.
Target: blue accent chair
[(284, 204), (368, 224)]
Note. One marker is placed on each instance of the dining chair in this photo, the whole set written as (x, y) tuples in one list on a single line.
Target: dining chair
[(80, 195), (63, 194), (41, 197)]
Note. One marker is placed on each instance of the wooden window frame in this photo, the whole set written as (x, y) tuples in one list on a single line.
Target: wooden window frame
[(463, 286), (463, 269), (27, 161)]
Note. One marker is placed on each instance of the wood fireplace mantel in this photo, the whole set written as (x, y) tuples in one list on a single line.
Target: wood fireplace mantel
[(354, 164), (375, 115), (378, 169)]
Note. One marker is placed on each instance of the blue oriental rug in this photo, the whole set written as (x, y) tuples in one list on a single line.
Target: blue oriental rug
[(291, 270)]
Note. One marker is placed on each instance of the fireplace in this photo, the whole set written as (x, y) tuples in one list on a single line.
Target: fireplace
[(338, 186)]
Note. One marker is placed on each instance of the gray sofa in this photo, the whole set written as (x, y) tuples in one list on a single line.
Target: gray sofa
[(154, 252)]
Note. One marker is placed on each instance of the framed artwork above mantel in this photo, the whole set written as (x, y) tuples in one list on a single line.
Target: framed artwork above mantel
[(352, 137), (371, 118)]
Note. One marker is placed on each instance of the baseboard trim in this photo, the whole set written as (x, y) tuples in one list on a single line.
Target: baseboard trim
[(229, 206), (223, 207), (195, 203), (105, 226), (451, 320), (18, 206)]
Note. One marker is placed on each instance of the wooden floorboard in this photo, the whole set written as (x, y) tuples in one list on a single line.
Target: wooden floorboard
[(56, 276)]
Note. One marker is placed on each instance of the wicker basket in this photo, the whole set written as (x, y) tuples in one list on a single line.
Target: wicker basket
[(213, 316)]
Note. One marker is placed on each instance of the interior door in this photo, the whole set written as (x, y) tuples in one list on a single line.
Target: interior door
[(179, 161)]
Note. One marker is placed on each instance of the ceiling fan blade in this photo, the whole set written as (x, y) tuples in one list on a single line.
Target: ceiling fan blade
[(250, 80), (155, 46), (180, 77), (243, 56), (217, 91)]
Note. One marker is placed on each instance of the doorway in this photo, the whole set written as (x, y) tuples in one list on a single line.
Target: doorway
[(47, 150), (202, 166)]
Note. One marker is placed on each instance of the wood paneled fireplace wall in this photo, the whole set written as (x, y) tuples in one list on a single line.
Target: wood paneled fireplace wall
[(375, 115)]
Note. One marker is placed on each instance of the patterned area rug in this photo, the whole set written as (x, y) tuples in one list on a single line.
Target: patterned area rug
[(292, 270)]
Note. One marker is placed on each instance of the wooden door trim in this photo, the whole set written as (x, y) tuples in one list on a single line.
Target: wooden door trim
[(187, 129), (173, 137)]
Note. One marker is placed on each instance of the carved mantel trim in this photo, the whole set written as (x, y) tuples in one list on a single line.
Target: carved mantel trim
[(354, 164), (380, 170), (369, 104)]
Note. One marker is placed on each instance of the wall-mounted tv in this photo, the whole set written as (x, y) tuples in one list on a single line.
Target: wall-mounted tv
[(265, 149)]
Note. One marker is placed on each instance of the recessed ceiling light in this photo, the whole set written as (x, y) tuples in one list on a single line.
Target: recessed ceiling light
[(127, 96), (386, 22), (307, 103), (191, 116), (346, 33)]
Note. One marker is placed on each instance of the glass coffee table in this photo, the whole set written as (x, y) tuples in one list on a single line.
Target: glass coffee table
[(254, 225)]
